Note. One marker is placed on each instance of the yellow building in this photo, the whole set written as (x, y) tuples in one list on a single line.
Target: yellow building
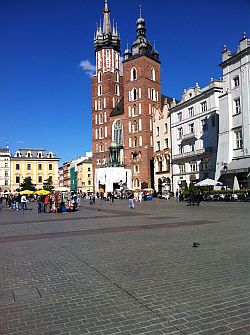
[(38, 164), (85, 176)]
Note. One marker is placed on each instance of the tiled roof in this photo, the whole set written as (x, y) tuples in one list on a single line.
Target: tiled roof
[(119, 109)]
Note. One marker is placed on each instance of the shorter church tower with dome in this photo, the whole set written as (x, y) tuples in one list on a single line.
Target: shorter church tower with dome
[(123, 107)]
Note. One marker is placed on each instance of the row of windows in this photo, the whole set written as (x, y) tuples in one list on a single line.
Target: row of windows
[(101, 104), (135, 94), (237, 143), (203, 108), (39, 155), (134, 76), (107, 54), (39, 166), (99, 76), (165, 129), (191, 167), (166, 144), (117, 90), (163, 165), (191, 128), (39, 179)]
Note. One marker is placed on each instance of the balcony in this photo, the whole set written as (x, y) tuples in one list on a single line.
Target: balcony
[(189, 154), (189, 136)]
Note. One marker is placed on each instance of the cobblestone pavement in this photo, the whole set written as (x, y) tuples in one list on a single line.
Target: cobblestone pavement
[(109, 270)]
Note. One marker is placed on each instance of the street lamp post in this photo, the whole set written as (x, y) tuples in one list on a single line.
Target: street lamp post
[(225, 171)]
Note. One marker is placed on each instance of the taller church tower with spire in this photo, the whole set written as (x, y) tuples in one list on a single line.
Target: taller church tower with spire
[(123, 106), (107, 88)]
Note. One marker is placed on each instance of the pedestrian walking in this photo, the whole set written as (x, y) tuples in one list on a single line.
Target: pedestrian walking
[(131, 203)]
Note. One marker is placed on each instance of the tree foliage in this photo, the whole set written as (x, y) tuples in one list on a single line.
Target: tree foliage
[(27, 185), (48, 184)]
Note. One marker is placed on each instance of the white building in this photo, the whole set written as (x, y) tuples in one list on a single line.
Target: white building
[(234, 130), (5, 169), (194, 131), (162, 146)]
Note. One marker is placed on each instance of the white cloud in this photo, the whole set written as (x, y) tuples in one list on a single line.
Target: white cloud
[(87, 67)]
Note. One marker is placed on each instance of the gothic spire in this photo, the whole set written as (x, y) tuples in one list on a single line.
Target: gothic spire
[(106, 19), (106, 34)]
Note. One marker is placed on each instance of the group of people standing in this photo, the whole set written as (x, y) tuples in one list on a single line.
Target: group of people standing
[(58, 203), (15, 201)]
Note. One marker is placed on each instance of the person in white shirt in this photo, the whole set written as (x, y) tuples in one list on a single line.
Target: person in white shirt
[(24, 202)]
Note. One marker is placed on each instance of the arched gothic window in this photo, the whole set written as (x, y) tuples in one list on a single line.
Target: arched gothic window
[(135, 126), (101, 132), (152, 74), (99, 77), (118, 132), (134, 94), (99, 90), (134, 110), (100, 118), (135, 142), (136, 183), (133, 74), (116, 77), (100, 104)]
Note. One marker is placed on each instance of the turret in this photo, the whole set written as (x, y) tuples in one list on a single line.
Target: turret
[(141, 45)]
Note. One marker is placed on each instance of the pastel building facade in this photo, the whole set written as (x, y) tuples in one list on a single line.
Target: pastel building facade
[(39, 164), (162, 146), (233, 157), (194, 133), (5, 169)]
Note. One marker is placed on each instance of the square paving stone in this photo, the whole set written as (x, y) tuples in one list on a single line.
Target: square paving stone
[(26, 293)]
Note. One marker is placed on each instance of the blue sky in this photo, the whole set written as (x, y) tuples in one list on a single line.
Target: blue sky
[(45, 94)]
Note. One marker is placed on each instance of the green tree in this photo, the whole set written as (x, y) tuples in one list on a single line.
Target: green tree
[(48, 184), (27, 184)]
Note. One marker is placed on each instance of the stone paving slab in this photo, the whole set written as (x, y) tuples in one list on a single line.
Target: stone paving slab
[(129, 281)]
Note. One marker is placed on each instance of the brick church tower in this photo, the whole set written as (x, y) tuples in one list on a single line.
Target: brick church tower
[(123, 106), (107, 88), (142, 97)]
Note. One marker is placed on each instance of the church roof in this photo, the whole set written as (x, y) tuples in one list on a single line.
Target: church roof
[(119, 108)]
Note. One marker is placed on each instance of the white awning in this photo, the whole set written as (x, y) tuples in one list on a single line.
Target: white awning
[(239, 165)]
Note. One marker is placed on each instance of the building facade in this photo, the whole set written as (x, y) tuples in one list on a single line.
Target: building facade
[(38, 164), (233, 157), (60, 176), (85, 176), (194, 133), (5, 169), (162, 147), (123, 106)]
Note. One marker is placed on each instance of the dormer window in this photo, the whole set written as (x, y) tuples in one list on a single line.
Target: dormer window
[(18, 154), (39, 155), (50, 155), (28, 154)]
